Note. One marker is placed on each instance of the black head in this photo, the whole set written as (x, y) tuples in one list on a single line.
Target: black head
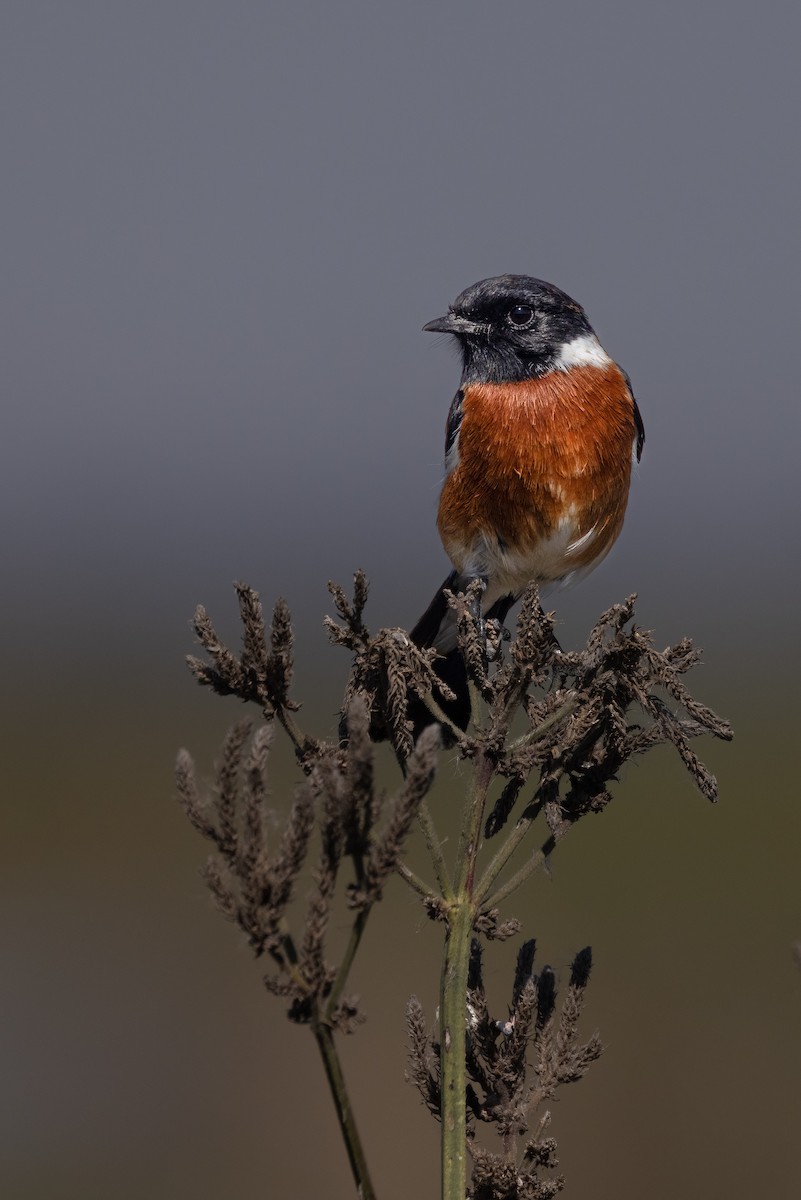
[(512, 327)]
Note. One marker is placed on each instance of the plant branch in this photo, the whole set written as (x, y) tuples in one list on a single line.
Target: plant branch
[(505, 852), (354, 941), (555, 717), (537, 860), (324, 1037), (435, 850), (415, 882)]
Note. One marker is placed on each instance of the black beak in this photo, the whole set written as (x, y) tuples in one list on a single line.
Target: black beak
[(453, 323)]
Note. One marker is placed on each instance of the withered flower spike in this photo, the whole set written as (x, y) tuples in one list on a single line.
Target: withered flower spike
[(400, 727), (228, 785), (498, 1178), (341, 602), (355, 632), (513, 1048), (312, 959), (475, 980), (546, 996), (387, 671), (250, 887), (535, 643), (280, 664), (363, 803), (667, 672), (254, 648), (327, 785), (580, 970), (361, 589), (252, 851), (385, 849), (504, 1091), (189, 796), (223, 659), (213, 873), (503, 806), (524, 967), (423, 1066), (285, 867), (260, 675), (472, 640)]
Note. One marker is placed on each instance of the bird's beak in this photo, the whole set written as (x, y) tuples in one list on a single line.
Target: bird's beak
[(452, 323)]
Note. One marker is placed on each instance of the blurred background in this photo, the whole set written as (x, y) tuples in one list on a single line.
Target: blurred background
[(224, 226)]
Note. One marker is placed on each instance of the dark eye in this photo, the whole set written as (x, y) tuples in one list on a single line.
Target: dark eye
[(521, 315)]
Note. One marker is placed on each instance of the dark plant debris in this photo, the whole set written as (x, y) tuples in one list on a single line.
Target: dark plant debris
[(554, 727)]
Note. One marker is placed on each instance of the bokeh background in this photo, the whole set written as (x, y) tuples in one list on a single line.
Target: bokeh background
[(223, 228)]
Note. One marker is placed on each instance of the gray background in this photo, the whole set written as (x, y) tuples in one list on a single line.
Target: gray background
[(223, 227)]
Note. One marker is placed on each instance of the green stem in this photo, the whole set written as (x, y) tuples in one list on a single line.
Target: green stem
[(436, 711), (347, 1122), (414, 881), (494, 868), (453, 991), (471, 827), (520, 876), (524, 823), (476, 701), (556, 716), (453, 1051)]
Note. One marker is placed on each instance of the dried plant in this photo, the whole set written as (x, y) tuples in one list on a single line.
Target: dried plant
[(554, 729)]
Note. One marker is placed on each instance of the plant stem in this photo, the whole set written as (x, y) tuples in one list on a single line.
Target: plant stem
[(436, 711), (435, 850), (493, 870), (555, 717), (453, 1050), (520, 877), (347, 960), (414, 881), (471, 827), (453, 991), (347, 1122)]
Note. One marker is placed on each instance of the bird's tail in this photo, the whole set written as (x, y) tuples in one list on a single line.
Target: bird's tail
[(437, 628)]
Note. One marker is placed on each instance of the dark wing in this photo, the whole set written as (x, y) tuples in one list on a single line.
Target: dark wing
[(640, 429), (638, 421), (452, 428)]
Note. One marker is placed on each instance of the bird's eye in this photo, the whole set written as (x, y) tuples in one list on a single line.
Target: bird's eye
[(521, 315)]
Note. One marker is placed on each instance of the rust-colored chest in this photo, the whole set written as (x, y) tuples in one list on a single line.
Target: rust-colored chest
[(538, 457)]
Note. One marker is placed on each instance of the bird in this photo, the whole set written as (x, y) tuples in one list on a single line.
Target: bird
[(539, 445)]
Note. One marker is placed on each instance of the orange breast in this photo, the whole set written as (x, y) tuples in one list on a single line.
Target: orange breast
[(537, 456)]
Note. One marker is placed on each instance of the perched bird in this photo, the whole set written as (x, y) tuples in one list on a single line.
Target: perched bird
[(539, 444)]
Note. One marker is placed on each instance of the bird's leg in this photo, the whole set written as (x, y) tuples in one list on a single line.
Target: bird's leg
[(473, 595), (489, 630), (492, 631)]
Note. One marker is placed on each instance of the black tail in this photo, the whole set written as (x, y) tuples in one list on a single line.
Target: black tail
[(450, 667)]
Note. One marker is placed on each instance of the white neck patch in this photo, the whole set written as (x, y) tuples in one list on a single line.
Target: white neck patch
[(584, 351)]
